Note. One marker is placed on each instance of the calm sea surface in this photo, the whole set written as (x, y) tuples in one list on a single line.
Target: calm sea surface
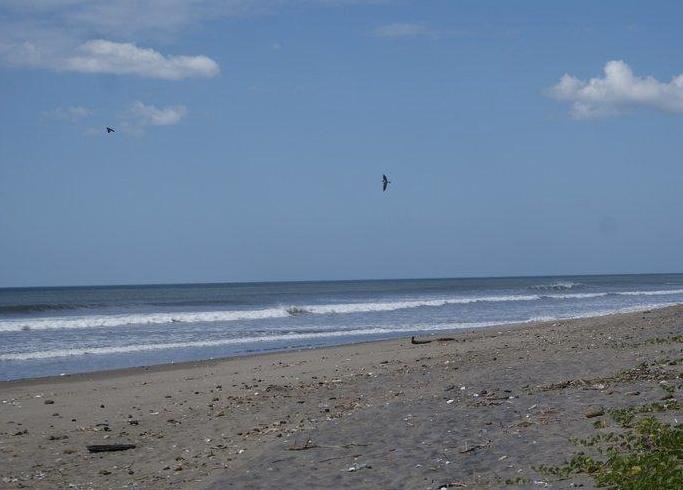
[(49, 331)]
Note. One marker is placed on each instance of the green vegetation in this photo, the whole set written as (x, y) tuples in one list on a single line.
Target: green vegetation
[(647, 455), (625, 416), (664, 340), (642, 372)]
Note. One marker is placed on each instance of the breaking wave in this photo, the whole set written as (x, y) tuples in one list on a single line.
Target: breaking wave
[(122, 320), (42, 307), (556, 286), (652, 293), (291, 336), (296, 336), (295, 311), (107, 321)]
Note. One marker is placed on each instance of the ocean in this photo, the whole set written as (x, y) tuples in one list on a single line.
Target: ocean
[(54, 331)]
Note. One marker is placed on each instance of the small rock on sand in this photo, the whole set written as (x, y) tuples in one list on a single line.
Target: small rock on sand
[(594, 411)]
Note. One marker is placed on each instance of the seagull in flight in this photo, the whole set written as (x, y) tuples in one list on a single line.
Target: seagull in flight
[(110, 130), (385, 182)]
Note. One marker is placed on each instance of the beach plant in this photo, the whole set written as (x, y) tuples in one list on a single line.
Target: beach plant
[(649, 455)]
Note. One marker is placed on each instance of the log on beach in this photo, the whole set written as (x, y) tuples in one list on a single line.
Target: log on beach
[(103, 448)]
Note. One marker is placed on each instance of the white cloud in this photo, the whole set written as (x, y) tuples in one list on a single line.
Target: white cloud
[(140, 115), (100, 56), (137, 20), (402, 31), (617, 91), (79, 35), (127, 18), (71, 114)]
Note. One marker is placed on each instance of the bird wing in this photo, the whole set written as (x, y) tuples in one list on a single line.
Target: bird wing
[(384, 186), (384, 178)]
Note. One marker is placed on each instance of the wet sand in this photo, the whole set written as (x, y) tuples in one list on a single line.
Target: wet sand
[(476, 411)]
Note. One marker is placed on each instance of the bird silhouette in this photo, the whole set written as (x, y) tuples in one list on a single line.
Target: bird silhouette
[(110, 130), (385, 182)]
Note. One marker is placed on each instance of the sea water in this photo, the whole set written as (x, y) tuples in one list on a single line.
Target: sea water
[(50, 331)]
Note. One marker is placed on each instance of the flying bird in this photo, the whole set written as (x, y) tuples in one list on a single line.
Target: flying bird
[(385, 182), (110, 130)]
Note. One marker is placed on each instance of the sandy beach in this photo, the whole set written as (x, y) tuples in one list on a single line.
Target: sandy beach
[(481, 409)]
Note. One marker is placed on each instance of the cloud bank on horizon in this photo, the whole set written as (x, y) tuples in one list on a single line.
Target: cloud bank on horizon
[(618, 91)]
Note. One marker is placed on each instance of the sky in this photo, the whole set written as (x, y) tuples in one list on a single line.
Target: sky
[(521, 138)]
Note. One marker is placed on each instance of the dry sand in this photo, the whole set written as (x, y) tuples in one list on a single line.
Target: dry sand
[(473, 412)]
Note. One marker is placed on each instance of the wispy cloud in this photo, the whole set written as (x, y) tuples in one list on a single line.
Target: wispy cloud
[(117, 36), (617, 91), (403, 31), (100, 56), (71, 114), (145, 18), (151, 115), (77, 35), (139, 116)]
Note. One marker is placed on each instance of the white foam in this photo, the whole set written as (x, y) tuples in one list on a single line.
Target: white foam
[(575, 295), (665, 292), (559, 285), (605, 312), (98, 321), (122, 320), (105, 321), (400, 305), (127, 349)]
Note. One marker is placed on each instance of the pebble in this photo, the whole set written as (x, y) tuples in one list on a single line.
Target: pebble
[(594, 411)]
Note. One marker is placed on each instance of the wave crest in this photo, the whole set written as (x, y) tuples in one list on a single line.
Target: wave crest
[(556, 286), (123, 320), (296, 311), (41, 307)]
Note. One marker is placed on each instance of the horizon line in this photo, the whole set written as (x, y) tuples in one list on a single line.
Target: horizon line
[(302, 281)]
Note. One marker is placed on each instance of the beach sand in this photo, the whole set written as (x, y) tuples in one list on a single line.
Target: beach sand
[(473, 412)]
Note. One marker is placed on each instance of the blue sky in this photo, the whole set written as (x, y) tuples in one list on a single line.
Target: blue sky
[(521, 138)]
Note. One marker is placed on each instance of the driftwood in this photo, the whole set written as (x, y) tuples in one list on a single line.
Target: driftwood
[(103, 448), (475, 447), (309, 444), (413, 340), (306, 445)]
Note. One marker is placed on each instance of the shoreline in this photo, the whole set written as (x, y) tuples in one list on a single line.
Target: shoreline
[(171, 366), (485, 408)]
